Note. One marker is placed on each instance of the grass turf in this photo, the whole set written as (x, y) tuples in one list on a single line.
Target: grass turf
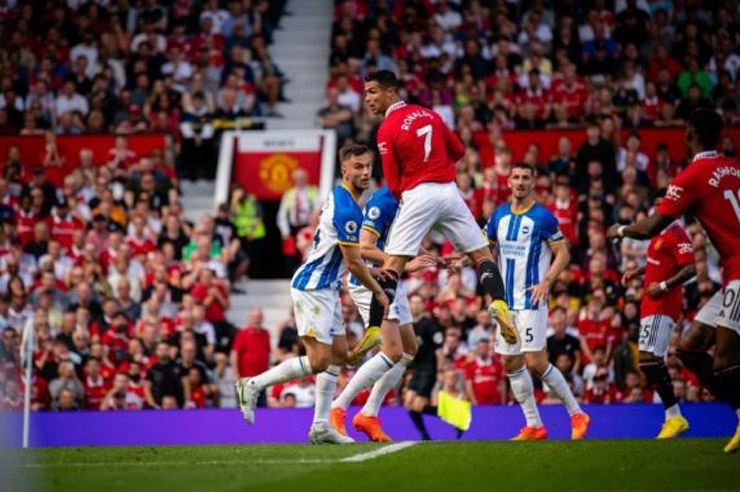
[(684, 464)]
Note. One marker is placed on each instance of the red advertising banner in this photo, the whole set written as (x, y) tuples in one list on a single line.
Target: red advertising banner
[(264, 163), (32, 147), (547, 140)]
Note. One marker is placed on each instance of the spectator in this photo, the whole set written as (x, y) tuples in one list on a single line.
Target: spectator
[(562, 342), (250, 354), (163, 387), (66, 380), (484, 376), (335, 116), (296, 206)]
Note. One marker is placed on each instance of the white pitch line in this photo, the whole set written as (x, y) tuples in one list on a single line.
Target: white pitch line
[(357, 458), (391, 448)]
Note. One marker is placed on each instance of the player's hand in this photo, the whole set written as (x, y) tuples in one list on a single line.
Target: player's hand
[(540, 291), (654, 290), (629, 275), (612, 233), (421, 262), (380, 274)]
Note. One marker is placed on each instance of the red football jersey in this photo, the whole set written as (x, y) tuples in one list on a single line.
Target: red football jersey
[(416, 147), (667, 253), (709, 189), (485, 376)]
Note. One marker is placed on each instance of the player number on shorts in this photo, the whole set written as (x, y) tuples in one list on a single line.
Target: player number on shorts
[(528, 335), (733, 197), (426, 132)]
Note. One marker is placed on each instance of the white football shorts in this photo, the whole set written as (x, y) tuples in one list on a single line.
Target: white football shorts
[(531, 324), (318, 314), (723, 309), (655, 334), (433, 206), (399, 310)]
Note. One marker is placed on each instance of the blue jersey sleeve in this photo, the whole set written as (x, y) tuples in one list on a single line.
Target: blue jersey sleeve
[(347, 219), (549, 227), (373, 218), (492, 226)]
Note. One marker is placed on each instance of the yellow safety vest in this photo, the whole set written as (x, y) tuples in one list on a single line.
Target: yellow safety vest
[(247, 219)]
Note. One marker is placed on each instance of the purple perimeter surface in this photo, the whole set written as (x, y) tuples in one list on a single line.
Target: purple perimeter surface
[(291, 425)]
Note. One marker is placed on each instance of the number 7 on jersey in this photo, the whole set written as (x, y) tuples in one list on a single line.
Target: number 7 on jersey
[(426, 132)]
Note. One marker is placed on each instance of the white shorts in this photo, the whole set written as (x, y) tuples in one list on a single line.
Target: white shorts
[(531, 324), (655, 333), (318, 314), (399, 310), (437, 206), (723, 309)]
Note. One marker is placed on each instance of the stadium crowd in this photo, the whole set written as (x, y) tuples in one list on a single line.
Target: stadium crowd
[(128, 299)]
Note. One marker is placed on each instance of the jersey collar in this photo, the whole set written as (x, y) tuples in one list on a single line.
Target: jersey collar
[(394, 107), (707, 154), (524, 210)]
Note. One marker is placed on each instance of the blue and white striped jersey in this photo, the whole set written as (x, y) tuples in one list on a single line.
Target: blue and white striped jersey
[(377, 217), (522, 239), (339, 224)]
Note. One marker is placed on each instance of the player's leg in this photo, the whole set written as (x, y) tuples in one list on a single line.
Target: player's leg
[(727, 356), (655, 333), (698, 339), (532, 327), (457, 223), (313, 314), (326, 384), (367, 419), (371, 338), (521, 384)]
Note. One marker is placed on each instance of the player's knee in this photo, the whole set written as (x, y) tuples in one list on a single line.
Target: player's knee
[(394, 352), (512, 364), (319, 361), (410, 346)]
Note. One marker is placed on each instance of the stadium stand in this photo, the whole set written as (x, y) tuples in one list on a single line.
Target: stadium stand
[(106, 107)]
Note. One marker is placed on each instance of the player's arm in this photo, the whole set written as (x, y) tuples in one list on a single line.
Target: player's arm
[(370, 251), (559, 263), (356, 266), (632, 273), (391, 165), (455, 148), (644, 229), (657, 289)]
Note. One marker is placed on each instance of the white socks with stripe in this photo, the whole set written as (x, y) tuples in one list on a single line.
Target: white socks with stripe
[(555, 380), (288, 370), (389, 380), (326, 384), (370, 372), (523, 389)]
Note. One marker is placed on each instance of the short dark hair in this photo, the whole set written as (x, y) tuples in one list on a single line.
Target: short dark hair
[(707, 124), (352, 150), (525, 165), (385, 79)]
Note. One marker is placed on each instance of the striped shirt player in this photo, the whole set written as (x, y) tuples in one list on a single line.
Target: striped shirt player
[(523, 242), (315, 285), (378, 215)]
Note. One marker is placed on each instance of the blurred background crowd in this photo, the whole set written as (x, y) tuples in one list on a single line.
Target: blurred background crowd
[(129, 300)]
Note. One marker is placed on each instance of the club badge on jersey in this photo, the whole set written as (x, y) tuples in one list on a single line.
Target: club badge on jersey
[(340, 223)]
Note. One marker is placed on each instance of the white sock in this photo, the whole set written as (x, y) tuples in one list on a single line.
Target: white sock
[(381, 388), (555, 380), (523, 389), (366, 376), (673, 411), (288, 370), (326, 383)]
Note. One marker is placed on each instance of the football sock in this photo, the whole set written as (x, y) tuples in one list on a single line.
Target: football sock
[(490, 279), (673, 411), (555, 380), (326, 383), (370, 372), (288, 370), (376, 309), (659, 379), (430, 410), (420, 425), (727, 382), (523, 389), (459, 433), (381, 388)]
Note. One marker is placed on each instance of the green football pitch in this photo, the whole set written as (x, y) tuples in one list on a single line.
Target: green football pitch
[(684, 464)]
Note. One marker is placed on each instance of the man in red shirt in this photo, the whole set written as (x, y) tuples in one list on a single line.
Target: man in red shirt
[(670, 263), (250, 354), (62, 224), (95, 386), (709, 189), (419, 152), (483, 376)]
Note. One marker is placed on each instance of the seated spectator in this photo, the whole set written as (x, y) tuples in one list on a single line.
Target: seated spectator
[(66, 380), (163, 387), (335, 116)]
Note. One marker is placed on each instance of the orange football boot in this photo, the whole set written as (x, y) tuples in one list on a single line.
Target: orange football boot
[(370, 425), (579, 423), (336, 420), (531, 434)]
